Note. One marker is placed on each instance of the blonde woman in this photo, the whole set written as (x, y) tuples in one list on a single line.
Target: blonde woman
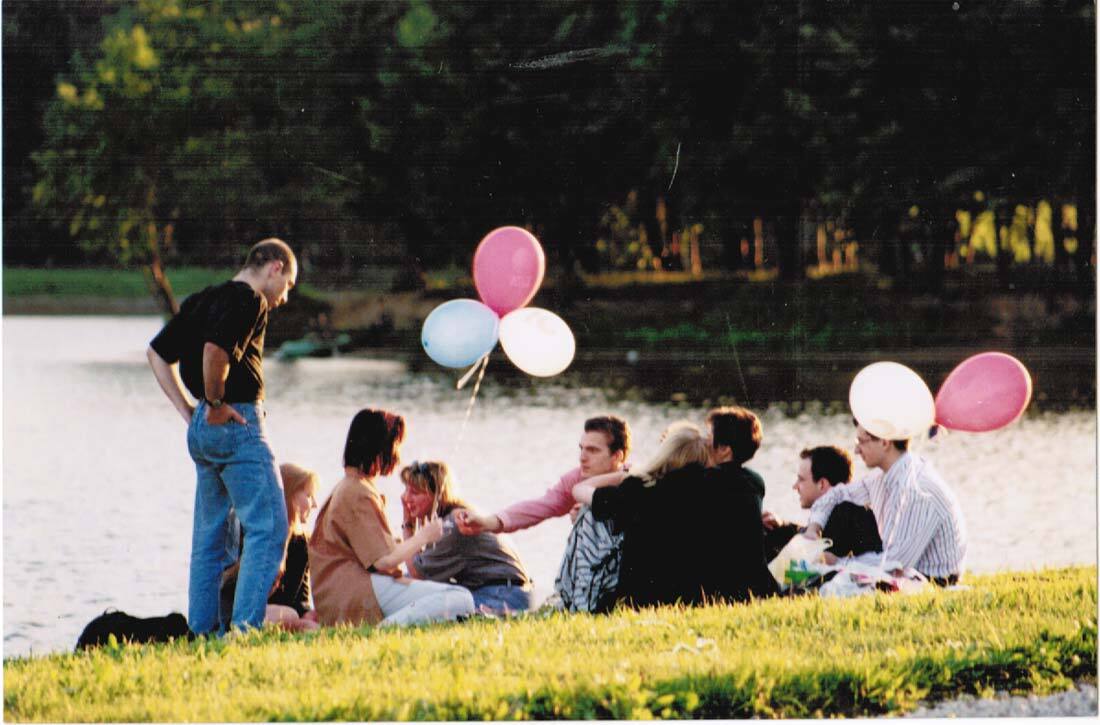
[(288, 604), (691, 533), (483, 563)]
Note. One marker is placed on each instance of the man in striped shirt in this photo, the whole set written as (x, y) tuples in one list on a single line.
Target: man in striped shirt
[(919, 518)]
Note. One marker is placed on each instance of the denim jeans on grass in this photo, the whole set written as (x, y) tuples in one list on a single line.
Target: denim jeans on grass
[(235, 468), (503, 598)]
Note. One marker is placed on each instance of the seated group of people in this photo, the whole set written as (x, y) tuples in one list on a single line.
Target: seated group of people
[(686, 527)]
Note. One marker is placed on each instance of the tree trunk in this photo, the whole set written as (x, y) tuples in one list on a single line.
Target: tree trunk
[(158, 283)]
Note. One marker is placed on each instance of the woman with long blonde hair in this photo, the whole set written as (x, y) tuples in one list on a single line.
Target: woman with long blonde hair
[(288, 604), (483, 563)]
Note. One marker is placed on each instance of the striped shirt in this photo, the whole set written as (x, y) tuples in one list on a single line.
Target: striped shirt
[(919, 518)]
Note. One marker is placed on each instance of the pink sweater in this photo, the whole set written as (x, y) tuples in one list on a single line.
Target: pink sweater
[(557, 501)]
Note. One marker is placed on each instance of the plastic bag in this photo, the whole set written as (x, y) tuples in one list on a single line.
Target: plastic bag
[(805, 554), (855, 578)]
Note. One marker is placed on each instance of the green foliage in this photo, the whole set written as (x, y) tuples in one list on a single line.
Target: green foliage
[(187, 124), (1031, 632), (359, 129)]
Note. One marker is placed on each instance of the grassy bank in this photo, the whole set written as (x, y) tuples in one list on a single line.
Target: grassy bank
[(1027, 632), (21, 282), (720, 312)]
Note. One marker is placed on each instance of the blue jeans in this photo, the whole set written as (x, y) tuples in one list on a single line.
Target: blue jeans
[(235, 468), (502, 598)]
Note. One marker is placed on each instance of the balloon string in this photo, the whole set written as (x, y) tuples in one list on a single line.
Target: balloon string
[(483, 363), (466, 376)]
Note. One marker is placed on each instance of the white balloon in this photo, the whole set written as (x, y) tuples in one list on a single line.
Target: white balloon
[(537, 341), (891, 401)]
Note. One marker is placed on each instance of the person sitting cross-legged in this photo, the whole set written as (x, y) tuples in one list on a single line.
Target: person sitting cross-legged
[(852, 528), (919, 518), (483, 563), (355, 559)]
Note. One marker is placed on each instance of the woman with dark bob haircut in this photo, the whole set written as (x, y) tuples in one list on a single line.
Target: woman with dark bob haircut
[(354, 558)]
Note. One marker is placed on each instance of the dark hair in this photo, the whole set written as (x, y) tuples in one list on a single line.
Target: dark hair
[(374, 440), (738, 428), (829, 462), (270, 250), (618, 432), (901, 444)]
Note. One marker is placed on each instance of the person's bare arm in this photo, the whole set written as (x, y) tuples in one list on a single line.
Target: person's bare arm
[(215, 370), (169, 380), (405, 550)]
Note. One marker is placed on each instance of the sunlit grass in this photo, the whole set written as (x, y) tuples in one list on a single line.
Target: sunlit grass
[(1033, 632)]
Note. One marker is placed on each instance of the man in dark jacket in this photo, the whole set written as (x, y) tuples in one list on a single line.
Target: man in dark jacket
[(851, 528)]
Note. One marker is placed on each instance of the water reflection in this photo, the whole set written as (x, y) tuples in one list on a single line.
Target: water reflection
[(98, 486)]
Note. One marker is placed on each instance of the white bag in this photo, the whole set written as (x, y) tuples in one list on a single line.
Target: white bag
[(799, 549)]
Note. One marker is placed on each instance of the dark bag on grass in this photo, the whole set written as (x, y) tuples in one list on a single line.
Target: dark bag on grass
[(126, 627)]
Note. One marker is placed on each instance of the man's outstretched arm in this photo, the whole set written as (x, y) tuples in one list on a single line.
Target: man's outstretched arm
[(169, 379)]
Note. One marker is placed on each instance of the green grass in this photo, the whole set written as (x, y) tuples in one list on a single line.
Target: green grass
[(102, 282), (1028, 632)]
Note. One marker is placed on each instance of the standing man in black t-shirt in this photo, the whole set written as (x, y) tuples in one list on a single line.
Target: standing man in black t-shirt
[(217, 342)]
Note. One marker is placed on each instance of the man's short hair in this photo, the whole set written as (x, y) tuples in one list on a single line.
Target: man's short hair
[(270, 250), (901, 444), (829, 462), (618, 432), (738, 428)]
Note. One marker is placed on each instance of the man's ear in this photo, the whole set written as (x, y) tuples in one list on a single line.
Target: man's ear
[(619, 457), (276, 266), (823, 484), (723, 453)]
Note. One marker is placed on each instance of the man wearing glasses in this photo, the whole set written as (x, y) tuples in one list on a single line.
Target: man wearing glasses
[(919, 518)]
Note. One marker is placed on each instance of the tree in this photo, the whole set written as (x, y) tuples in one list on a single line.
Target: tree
[(184, 125)]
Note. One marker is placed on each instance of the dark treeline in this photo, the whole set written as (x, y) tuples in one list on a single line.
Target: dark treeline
[(180, 130)]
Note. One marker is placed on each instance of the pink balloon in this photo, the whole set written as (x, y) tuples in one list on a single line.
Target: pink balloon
[(508, 268), (983, 393)]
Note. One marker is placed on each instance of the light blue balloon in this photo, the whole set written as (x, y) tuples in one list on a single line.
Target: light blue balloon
[(458, 333)]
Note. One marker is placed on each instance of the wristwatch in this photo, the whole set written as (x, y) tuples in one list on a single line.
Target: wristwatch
[(215, 403)]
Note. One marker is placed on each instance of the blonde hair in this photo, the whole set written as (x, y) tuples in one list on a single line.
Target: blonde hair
[(295, 478), (433, 477), (682, 444)]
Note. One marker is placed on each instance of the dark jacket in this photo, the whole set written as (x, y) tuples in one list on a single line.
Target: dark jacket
[(692, 536)]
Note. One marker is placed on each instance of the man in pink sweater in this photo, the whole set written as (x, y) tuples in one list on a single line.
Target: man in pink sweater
[(604, 447)]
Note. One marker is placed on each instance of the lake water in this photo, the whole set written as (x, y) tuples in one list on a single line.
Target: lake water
[(98, 486)]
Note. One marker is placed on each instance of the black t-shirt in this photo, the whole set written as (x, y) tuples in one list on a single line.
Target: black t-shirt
[(293, 589), (691, 536), (231, 315)]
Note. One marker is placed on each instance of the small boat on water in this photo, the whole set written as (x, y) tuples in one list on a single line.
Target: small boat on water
[(312, 345)]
